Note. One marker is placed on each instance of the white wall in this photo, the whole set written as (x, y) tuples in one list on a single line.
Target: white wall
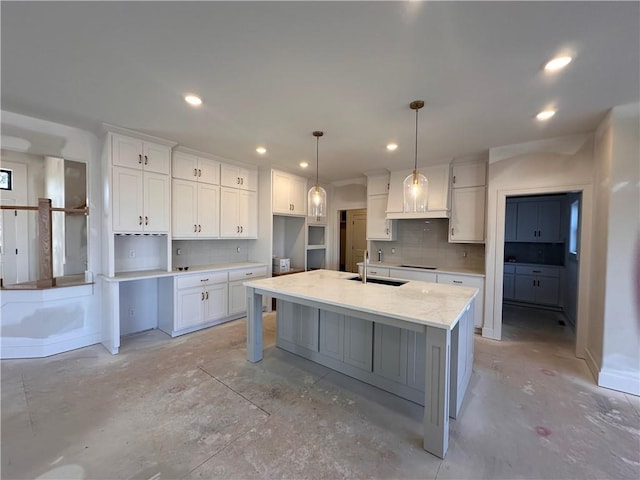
[(616, 255), (548, 166), (39, 137)]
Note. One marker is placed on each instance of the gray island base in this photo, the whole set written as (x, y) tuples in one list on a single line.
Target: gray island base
[(415, 340)]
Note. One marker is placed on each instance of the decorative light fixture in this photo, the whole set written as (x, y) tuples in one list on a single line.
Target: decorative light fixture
[(317, 197), (416, 185)]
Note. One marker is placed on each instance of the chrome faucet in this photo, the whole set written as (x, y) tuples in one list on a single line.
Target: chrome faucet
[(364, 266)]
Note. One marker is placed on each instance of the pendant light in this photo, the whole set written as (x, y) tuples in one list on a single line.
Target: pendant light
[(416, 185), (317, 197)]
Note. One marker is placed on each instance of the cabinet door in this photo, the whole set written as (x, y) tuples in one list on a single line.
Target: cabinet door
[(406, 274), (527, 222), (547, 290), (549, 221), (467, 215), (285, 321), (248, 179), (126, 152), (208, 171), (378, 227), (468, 281), (358, 343), (508, 286), (190, 305), (237, 300), (157, 203), (390, 352), (525, 288), (229, 212), (184, 166), (378, 185), (157, 158), (469, 175), (208, 211), (510, 217), (438, 195), (298, 195), (127, 200), (280, 197), (229, 176), (332, 334), (307, 326), (216, 298), (248, 214), (184, 201)]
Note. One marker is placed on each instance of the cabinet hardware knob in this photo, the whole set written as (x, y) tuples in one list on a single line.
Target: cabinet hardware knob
[(534, 283), (237, 228), (204, 279), (458, 281), (199, 172), (195, 172), (241, 229), (454, 179), (538, 282), (146, 160), (140, 158), (387, 231), (238, 180), (535, 271), (146, 220), (202, 296), (195, 228), (140, 220), (250, 273), (206, 295), (452, 230), (199, 228)]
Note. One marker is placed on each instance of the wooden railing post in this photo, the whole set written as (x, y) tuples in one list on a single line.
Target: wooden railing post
[(45, 244)]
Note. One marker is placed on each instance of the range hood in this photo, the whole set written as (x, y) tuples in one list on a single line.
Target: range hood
[(438, 197)]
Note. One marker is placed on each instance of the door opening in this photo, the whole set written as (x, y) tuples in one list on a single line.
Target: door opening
[(353, 238)]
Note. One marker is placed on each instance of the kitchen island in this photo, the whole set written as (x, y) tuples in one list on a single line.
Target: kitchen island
[(416, 337)]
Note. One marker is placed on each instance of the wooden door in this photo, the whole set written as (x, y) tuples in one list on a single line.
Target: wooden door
[(356, 238)]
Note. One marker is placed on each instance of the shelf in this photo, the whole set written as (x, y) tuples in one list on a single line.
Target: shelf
[(316, 247)]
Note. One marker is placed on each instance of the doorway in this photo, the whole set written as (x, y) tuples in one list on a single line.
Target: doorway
[(541, 264), (14, 239), (353, 238)]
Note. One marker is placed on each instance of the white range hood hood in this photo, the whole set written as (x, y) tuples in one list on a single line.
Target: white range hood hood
[(438, 196)]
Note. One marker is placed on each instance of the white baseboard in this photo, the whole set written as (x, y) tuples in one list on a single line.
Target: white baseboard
[(489, 333), (38, 348), (623, 381)]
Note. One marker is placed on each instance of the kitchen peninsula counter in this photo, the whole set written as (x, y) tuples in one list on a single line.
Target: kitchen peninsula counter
[(438, 314)]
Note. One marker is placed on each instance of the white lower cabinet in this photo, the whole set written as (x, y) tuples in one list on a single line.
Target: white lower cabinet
[(237, 296), (468, 281), (200, 299)]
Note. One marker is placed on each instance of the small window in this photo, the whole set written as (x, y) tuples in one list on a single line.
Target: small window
[(573, 227), (6, 177)]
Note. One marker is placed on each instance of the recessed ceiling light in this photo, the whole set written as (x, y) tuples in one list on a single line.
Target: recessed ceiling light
[(557, 63), (303, 164), (545, 115), (261, 150), (193, 100), (392, 146)]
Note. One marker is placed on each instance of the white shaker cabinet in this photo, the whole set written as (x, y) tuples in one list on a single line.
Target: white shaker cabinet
[(237, 296), (468, 281), (238, 177), (197, 169), (140, 155), (289, 194), (196, 210), (378, 227), (468, 193), (200, 299), (141, 201), (238, 213), (437, 196)]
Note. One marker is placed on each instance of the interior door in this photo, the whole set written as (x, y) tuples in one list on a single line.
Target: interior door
[(14, 237), (356, 238)]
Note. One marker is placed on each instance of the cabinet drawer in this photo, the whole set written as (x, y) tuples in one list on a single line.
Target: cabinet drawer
[(373, 271), (542, 270), (406, 274), (462, 280), (509, 268), (247, 273), (201, 279)]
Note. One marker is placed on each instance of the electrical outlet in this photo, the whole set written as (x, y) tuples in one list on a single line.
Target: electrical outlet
[(393, 251), (237, 249), (132, 312), (132, 253), (464, 254), (178, 252)]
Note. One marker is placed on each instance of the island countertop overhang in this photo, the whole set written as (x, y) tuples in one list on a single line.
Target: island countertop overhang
[(422, 303)]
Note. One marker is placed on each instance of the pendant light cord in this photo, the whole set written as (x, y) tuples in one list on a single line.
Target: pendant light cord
[(317, 157), (415, 165)]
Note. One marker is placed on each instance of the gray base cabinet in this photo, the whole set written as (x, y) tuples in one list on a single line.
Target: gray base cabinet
[(537, 284), (346, 339), (390, 352)]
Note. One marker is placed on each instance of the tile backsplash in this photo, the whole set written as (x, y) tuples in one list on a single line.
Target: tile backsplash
[(208, 252), (425, 242)]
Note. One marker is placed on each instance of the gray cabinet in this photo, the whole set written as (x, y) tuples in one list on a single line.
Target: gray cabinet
[(416, 360), (537, 220), (508, 282), (539, 284), (511, 215), (390, 352), (297, 325), (346, 339)]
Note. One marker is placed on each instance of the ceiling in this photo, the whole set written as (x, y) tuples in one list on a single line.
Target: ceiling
[(272, 72)]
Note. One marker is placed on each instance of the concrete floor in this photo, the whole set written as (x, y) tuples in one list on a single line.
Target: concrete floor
[(192, 407)]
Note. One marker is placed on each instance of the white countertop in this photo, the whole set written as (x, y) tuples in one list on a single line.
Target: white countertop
[(145, 274), (454, 270), (425, 303)]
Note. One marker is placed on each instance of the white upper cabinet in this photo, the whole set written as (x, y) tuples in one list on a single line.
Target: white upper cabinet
[(468, 199), (378, 184), (197, 169), (289, 194), (437, 197), (238, 213), (195, 209), (238, 177), (141, 155), (469, 175), (378, 227)]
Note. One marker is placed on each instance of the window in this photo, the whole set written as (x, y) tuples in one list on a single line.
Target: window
[(573, 227), (6, 179)]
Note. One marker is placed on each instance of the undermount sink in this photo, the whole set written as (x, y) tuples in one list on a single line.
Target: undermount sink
[(381, 281), (419, 266)]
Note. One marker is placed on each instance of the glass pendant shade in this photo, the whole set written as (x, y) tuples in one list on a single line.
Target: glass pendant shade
[(317, 202), (416, 189)]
